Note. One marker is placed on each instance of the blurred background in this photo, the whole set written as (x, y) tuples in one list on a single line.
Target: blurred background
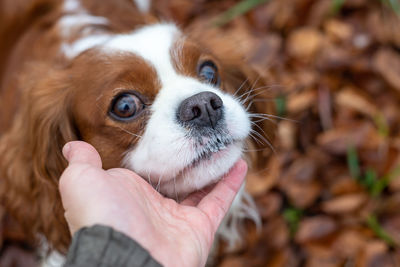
[(330, 193)]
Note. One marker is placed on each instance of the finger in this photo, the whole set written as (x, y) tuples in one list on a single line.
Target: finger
[(81, 152), (195, 198), (217, 203), (82, 158)]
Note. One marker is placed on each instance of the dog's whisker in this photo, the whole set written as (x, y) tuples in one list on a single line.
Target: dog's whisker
[(264, 100), (260, 90), (248, 95), (256, 81), (99, 97), (249, 105), (260, 119), (263, 119), (148, 178), (264, 139), (158, 184), (259, 128), (266, 136), (266, 116), (249, 92), (265, 87), (176, 192), (246, 148), (254, 150), (255, 139), (240, 87), (130, 133)]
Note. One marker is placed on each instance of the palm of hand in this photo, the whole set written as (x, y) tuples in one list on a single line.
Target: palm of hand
[(123, 200)]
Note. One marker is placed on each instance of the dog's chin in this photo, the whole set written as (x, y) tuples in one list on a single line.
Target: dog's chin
[(202, 172)]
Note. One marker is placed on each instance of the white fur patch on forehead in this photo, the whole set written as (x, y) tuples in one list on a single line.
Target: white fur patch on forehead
[(76, 19), (83, 44), (143, 5), (71, 6), (153, 43), (78, 24), (70, 24)]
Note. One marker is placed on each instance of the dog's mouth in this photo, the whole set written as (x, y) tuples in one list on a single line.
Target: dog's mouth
[(208, 151)]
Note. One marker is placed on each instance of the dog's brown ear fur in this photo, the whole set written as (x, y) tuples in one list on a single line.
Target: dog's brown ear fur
[(31, 160), (17, 18)]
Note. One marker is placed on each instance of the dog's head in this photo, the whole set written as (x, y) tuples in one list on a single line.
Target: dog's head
[(154, 102), (150, 100)]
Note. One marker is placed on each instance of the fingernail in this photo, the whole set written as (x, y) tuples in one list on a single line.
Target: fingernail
[(66, 150)]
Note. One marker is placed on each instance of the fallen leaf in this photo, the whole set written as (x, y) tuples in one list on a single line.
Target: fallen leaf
[(287, 134), (269, 205), (301, 101), (351, 98), (338, 140), (387, 63), (303, 44), (338, 30), (314, 228), (344, 204)]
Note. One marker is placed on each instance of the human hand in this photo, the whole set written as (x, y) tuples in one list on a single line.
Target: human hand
[(121, 199)]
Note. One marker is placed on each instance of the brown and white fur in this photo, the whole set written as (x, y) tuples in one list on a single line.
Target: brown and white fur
[(64, 65)]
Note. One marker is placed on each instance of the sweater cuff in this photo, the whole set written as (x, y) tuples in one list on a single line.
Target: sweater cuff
[(103, 246)]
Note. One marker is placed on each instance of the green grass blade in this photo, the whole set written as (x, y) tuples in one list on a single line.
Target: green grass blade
[(280, 104), (292, 217), (382, 125), (370, 178), (382, 183), (237, 10), (337, 6), (353, 164), (375, 226), (395, 6)]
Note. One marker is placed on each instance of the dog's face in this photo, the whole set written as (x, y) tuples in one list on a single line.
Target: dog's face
[(154, 102)]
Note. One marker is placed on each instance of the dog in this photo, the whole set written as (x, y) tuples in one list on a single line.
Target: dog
[(148, 96)]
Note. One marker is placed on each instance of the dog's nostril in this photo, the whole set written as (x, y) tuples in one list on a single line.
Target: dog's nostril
[(216, 103), (203, 109), (196, 112)]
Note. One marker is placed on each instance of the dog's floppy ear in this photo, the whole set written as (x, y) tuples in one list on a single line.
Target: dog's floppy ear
[(31, 160)]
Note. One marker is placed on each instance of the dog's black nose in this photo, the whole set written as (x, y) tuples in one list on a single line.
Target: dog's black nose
[(203, 109)]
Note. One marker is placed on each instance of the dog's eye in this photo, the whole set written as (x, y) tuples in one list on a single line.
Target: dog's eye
[(208, 72), (125, 106)]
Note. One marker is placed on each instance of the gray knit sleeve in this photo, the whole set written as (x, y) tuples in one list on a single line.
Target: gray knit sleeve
[(102, 246)]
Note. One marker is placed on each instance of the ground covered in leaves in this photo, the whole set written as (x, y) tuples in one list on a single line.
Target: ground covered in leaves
[(330, 195), (330, 192)]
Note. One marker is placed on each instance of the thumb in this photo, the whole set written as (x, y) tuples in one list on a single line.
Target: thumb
[(217, 203), (81, 157), (82, 153)]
